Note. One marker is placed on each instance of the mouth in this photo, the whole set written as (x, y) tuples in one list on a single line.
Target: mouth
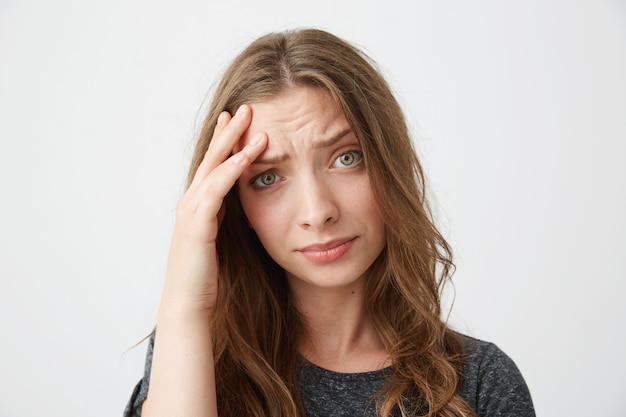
[(328, 251)]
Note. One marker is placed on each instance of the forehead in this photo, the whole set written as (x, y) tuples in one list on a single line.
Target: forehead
[(297, 114)]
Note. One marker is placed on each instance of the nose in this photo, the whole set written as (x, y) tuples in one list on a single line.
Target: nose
[(317, 204)]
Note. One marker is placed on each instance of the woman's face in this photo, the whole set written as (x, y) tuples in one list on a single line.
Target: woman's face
[(308, 195)]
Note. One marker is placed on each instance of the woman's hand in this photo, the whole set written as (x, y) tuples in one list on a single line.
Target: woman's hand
[(182, 381), (192, 271)]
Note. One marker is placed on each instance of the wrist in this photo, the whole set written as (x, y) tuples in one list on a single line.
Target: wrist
[(184, 310)]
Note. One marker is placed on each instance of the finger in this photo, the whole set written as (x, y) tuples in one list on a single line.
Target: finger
[(230, 133), (227, 134), (213, 189), (222, 121), (204, 168)]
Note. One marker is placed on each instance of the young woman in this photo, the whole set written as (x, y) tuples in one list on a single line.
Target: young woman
[(305, 270)]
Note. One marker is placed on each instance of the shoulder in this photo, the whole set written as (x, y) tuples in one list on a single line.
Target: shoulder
[(491, 382)]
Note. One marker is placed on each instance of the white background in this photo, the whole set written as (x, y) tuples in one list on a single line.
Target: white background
[(519, 113)]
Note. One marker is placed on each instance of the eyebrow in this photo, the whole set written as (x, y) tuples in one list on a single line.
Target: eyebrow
[(275, 159)]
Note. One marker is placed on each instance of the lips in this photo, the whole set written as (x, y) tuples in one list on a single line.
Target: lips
[(328, 251)]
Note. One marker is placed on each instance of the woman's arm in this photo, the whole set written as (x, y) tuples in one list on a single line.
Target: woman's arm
[(182, 380)]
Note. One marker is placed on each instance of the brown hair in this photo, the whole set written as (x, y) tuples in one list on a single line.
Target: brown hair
[(254, 325)]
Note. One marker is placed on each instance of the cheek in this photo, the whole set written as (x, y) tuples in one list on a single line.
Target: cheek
[(363, 199), (263, 214)]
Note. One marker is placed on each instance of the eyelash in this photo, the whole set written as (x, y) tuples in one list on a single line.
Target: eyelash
[(257, 182)]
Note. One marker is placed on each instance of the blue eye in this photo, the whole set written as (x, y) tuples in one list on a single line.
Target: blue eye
[(349, 158), (265, 179)]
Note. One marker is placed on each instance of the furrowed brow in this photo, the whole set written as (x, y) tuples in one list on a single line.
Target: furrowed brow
[(332, 141), (276, 159)]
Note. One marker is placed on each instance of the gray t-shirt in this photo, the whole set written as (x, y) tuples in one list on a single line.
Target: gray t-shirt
[(492, 385)]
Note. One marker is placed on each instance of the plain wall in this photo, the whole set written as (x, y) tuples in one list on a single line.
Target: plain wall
[(518, 110)]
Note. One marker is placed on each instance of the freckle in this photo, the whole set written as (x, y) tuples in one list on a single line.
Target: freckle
[(352, 292)]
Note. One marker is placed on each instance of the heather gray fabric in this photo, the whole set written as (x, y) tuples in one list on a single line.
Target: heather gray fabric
[(492, 385)]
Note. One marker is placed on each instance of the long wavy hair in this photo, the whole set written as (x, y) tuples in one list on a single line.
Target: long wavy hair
[(254, 324)]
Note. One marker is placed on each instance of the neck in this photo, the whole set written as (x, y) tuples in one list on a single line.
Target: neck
[(337, 332)]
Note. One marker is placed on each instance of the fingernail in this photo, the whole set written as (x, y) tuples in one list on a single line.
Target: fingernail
[(239, 112), (220, 118)]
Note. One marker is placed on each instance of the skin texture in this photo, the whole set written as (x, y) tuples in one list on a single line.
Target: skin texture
[(313, 190), (309, 200)]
